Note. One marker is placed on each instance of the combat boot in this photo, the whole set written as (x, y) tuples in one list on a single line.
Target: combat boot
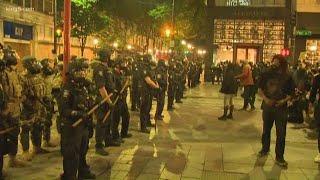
[(39, 150), (86, 175), (48, 144), (230, 115), (101, 152), (15, 163), (26, 156), (224, 116)]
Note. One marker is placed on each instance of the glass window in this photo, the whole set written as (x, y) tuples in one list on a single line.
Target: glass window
[(48, 6), (27, 3), (18, 2), (34, 4), (267, 33), (312, 54), (40, 5)]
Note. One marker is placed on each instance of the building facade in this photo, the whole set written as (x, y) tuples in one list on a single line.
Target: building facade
[(307, 31), (27, 26), (249, 29)]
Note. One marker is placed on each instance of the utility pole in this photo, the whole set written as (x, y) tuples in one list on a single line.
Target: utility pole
[(67, 33), (54, 51), (173, 24)]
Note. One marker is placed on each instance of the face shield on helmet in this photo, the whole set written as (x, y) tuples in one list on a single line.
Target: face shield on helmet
[(10, 57)]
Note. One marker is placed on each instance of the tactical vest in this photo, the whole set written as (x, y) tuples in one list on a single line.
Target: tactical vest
[(11, 83), (48, 81), (35, 87)]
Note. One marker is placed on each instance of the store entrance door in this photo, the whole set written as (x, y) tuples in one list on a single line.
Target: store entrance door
[(252, 53)]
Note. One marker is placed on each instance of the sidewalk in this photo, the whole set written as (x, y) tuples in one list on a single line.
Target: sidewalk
[(192, 144)]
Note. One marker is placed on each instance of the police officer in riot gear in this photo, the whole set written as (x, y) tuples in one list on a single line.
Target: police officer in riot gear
[(148, 84), (33, 107), (179, 79), (171, 84), (48, 75), (162, 79), (74, 140), (121, 108), (135, 103), (11, 97), (104, 82)]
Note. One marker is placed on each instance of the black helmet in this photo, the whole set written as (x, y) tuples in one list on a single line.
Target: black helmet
[(45, 63), (31, 64), (75, 68), (10, 57)]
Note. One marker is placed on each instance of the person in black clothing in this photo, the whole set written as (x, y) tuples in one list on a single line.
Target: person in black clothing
[(276, 87), (229, 89), (74, 140), (121, 107), (162, 79), (104, 82), (148, 84), (171, 85), (315, 89)]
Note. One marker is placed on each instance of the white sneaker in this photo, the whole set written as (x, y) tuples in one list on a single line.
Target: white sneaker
[(317, 158)]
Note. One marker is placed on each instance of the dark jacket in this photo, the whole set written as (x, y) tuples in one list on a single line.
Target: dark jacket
[(229, 83)]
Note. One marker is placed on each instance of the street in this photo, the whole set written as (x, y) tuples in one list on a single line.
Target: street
[(191, 143)]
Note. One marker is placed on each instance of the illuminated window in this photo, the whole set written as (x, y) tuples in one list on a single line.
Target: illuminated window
[(48, 6)]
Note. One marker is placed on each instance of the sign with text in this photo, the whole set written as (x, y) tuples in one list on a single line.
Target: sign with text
[(238, 2), (17, 31)]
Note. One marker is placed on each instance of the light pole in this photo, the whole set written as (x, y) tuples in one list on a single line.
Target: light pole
[(173, 23), (67, 34)]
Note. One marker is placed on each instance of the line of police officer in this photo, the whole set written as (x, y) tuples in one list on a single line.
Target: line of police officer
[(27, 100)]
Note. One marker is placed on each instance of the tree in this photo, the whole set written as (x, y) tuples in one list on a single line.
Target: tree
[(86, 20)]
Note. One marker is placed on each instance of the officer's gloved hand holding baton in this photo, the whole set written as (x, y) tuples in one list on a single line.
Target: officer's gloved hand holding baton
[(92, 110), (115, 101)]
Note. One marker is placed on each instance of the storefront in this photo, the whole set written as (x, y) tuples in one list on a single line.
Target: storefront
[(307, 38), (254, 30)]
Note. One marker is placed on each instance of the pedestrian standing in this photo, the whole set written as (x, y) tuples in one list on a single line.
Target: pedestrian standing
[(315, 102), (276, 88), (247, 81), (229, 89)]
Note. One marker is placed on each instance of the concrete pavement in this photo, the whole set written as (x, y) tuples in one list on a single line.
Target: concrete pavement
[(192, 144)]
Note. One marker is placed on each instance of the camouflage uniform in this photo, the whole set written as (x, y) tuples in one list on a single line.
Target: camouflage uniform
[(33, 106)]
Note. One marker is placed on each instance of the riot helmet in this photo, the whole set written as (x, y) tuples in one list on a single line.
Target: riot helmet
[(46, 66), (77, 70), (10, 57), (31, 64)]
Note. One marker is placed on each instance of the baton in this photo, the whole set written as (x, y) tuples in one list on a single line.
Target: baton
[(14, 127), (92, 110), (116, 100)]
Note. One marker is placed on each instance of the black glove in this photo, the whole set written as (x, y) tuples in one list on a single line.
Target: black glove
[(111, 105)]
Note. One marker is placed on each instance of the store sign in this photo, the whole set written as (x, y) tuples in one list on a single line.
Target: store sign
[(17, 31), (238, 2), (303, 33)]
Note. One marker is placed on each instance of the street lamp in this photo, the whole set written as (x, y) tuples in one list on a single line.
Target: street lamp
[(129, 47), (95, 42), (183, 42), (168, 32), (115, 45), (190, 46)]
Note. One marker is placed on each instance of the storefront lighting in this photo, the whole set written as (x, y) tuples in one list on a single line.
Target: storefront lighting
[(115, 45), (313, 48), (129, 47), (95, 41)]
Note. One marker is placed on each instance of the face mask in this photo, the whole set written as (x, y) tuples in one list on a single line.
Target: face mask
[(35, 69)]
